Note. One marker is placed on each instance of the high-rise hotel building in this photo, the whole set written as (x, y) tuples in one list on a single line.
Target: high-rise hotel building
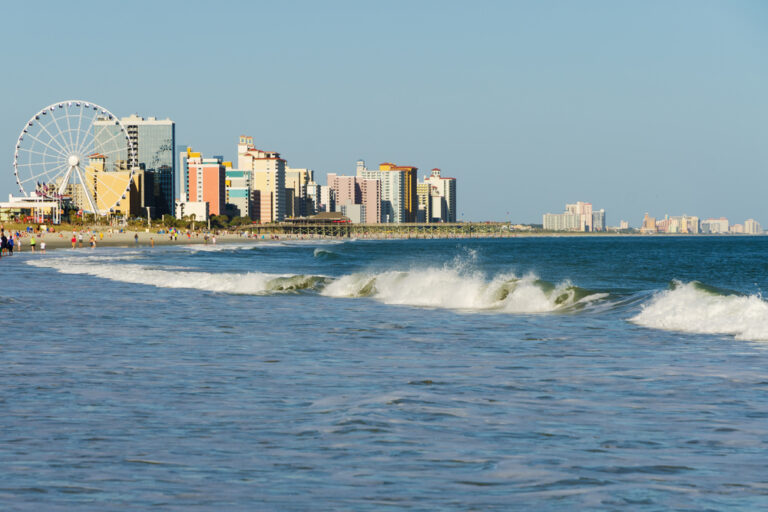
[(579, 216), (267, 176), (205, 182), (393, 190), (442, 193), (155, 140)]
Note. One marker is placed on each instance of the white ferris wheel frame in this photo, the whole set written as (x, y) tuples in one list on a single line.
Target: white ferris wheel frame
[(70, 151)]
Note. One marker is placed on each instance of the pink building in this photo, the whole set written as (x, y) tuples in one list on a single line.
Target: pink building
[(345, 188), (370, 192), (351, 190), (206, 182)]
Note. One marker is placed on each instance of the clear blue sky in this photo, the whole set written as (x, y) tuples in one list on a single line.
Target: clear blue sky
[(658, 106)]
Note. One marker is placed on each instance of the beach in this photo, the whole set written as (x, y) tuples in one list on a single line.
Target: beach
[(547, 372), (63, 239)]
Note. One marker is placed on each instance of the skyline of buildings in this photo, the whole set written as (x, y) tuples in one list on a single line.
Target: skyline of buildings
[(264, 188), (581, 217), (687, 224)]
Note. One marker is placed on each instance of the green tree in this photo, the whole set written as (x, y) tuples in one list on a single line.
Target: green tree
[(168, 220), (219, 221)]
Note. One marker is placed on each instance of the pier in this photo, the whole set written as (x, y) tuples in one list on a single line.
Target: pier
[(406, 230)]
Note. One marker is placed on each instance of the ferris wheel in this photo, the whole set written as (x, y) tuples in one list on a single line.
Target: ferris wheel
[(78, 151)]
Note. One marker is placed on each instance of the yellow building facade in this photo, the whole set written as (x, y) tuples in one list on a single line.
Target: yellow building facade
[(410, 194)]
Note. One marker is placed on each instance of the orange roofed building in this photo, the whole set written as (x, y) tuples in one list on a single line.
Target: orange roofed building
[(205, 181), (410, 198)]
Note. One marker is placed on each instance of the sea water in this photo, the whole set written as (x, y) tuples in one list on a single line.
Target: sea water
[(531, 373)]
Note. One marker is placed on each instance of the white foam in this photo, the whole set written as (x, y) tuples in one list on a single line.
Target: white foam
[(453, 289), (688, 308), (448, 287), (229, 246), (248, 283)]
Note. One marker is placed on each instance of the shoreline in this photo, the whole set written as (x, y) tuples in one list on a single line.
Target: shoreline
[(62, 240)]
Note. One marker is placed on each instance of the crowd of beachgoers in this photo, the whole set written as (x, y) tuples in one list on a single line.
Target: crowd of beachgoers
[(39, 238)]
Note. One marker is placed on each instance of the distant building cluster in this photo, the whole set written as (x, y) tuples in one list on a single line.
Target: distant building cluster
[(390, 194), (264, 189), (693, 225), (583, 217), (576, 217)]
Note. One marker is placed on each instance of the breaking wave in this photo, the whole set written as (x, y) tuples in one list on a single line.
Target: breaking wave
[(697, 308), (251, 283), (452, 289), (448, 288), (325, 254)]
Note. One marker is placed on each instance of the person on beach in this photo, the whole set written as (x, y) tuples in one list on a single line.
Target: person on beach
[(42, 247), (3, 243), (93, 241), (74, 241), (81, 240), (10, 246), (151, 242), (32, 243), (101, 235)]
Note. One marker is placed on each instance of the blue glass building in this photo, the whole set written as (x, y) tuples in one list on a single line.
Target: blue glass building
[(156, 142)]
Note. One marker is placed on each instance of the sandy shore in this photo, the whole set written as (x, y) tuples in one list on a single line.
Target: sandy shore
[(64, 240)]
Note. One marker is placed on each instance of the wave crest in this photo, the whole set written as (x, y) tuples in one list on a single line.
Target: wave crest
[(325, 254), (697, 308), (452, 289), (434, 287), (251, 283)]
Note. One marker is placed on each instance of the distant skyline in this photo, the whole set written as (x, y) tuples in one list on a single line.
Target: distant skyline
[(654, 106)]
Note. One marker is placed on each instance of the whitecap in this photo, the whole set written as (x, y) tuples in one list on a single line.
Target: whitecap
[(689, 307), (250, 283), (452, 288)]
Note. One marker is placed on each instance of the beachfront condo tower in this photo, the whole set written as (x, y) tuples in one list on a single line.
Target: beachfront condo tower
[(155, 140)]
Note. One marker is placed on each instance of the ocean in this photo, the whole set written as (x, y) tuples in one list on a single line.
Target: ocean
[(574, 373)]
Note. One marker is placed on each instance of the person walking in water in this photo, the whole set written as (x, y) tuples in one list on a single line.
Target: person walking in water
[(136, 238)]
